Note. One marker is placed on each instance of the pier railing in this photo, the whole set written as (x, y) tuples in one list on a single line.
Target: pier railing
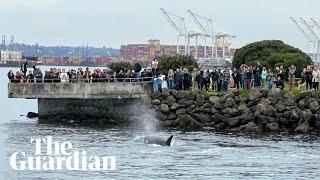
[(85, 80)]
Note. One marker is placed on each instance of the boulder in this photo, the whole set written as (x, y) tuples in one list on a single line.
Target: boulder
[(272, 127), (169, 100), (200, 99), (229, 95), (181, 111), (217, 118), (32, 115), (252, 127), (229, 102), (280, 107), (220, 126), (302, 104), (156, 95), (317, 124), (234, 112), (187, 122), (302, 128), (305, 115), (171, 116), (213, 110), (164, 108), (181, 94), (203, 118), (314, 106), (305, 94), (294, 114), (233, 121), (188, 103), (175, 106), (214, 99), (206, 105), (156, 102), (161, 116), (243, 107)]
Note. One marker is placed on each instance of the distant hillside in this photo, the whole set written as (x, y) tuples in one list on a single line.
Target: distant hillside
[(37, 50)]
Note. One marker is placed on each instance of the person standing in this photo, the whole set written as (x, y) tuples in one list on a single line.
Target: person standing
[(308, 74), (264, 74), (270, 79), (214, 79), (170, 79), (194, 75), (315, 78), (292, 71), (225, 80)]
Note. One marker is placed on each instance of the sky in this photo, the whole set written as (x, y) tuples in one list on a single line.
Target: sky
[(112, 23)]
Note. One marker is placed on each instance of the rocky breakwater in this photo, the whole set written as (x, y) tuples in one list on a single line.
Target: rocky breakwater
[(257, 111)]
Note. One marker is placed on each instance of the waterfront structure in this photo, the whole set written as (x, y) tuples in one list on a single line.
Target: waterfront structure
[(96, 100)]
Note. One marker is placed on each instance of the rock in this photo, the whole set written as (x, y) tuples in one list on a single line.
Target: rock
[(289, 99), (261, 119), (280, 107), (181, 111), (175, 106), (206, 105), (314, 106), (305, 115), (317, 124), (226, 110), (164, 108), (233, 121), (302, 104), (188, 103), (217, 118), (214, 99), (171, 116), (156, 95), (243, 107), (234, 112), (305, 94), (181, 94), (32, 115), (156, 102), (272, 127), (203, 118), (220, 126), (229, 95), (164, 94), (255, 94), (302, 128), (252, 127), (186, 121), (161, 116), (170, 100), (229, 102), (200, 99), (191, 108), (217, 106), (213, 110), (294, 114), (270, 111), (246, 117), (167, 123)]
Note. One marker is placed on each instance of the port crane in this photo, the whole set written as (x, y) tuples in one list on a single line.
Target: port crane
[(315, 36), (179, 27)]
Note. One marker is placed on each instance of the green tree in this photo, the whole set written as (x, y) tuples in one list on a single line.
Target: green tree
[(117, 66), (271, 53), (173, 62)]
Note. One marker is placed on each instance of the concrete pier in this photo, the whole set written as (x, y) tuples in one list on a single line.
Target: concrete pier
[(83, 101)]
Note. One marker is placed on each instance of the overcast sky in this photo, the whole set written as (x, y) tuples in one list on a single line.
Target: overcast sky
[(111, 23)]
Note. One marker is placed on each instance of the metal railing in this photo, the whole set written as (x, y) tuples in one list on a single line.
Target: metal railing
[(85, 80)]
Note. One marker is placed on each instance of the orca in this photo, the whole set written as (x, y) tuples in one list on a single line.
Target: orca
[(158, 141)]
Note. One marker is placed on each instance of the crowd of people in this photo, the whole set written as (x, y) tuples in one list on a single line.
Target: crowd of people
[(216, 79)]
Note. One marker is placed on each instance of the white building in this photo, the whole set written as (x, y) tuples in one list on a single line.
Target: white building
[(10, 55)]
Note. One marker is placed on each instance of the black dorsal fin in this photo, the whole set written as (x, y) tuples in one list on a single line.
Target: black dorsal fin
[(168, 142)]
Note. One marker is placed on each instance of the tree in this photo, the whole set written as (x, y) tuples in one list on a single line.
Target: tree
[(117, 66), (173, 62), (271, 53)]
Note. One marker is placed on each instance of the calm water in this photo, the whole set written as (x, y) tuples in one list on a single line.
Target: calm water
[(196, 155)]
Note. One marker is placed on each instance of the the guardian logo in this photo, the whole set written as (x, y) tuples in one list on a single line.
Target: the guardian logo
[(59, 156)]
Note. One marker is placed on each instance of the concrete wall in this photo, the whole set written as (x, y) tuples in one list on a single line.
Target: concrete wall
[(87, 109), (79, 90)]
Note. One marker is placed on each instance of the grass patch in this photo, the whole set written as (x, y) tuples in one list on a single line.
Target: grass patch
[(244, 93)]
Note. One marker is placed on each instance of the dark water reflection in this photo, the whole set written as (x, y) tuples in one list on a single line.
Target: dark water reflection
[(195, 155)]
